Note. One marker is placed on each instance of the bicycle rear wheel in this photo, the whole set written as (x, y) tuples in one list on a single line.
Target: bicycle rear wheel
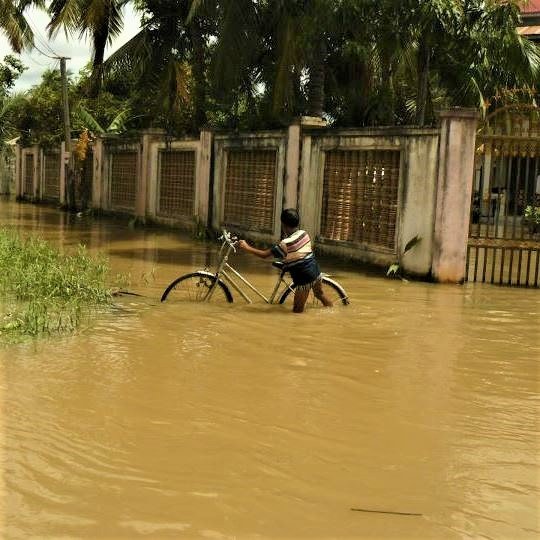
[(332, 290), (195, 287)]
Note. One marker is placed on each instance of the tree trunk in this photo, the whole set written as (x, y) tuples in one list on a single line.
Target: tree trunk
[(388, 91), (424, 55), (316, 81), (99, 37), (198, 69)]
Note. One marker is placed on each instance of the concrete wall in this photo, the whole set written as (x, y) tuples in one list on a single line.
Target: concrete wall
[(436, 172), (223, 143), (7, 170), (417, 186)]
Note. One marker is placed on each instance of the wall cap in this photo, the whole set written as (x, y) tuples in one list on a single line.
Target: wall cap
[(152, 131), (312, 122), (459, 112)]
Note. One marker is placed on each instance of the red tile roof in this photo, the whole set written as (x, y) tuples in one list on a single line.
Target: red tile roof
[(533, 6)]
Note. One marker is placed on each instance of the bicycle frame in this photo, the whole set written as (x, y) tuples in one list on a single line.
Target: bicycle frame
[(224, 271)]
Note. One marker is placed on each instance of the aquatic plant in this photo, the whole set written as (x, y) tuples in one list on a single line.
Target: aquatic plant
[(43, 290), (394, 270)]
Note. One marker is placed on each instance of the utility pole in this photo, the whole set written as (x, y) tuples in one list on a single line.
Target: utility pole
[(68, 164)]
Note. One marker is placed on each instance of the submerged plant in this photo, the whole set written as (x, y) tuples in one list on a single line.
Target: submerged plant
[(394, 270), (532, 214), (43, 290)]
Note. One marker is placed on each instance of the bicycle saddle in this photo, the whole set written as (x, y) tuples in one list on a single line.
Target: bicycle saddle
[(278, 264)]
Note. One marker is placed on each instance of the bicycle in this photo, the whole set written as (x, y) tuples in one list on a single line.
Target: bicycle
[(203, 286)]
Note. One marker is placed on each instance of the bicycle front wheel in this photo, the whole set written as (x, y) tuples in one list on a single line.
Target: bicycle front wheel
[(195, 287), (331, 289)]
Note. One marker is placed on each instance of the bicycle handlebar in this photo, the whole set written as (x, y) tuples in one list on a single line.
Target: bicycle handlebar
[(227, 238)]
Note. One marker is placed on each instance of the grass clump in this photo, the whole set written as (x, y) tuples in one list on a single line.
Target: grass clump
[(45, 291)]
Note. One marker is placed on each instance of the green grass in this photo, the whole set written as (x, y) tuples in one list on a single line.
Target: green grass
[(44, 291)]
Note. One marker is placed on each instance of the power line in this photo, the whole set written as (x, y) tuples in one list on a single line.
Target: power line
[(43, 42), (34, 61), (44, 54)]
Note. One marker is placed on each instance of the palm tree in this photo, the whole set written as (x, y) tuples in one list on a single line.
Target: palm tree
[(13, 24), (261, 62), (169, 56), (502, 59), (99, 19)]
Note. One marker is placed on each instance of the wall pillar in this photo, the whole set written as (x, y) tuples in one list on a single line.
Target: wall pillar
[(18, 172), (41, 175), (202, 181), (37, 171), (454, 190), (142, 181), (292, 166), (308, 193), (145, 172)]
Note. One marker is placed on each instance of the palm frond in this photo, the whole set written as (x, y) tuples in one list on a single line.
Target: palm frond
[(237, 42), (130, 57), (103, 17), (14, 26), (65, 14)]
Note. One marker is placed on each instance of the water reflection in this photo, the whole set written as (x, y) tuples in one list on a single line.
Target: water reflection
[(246, 421)]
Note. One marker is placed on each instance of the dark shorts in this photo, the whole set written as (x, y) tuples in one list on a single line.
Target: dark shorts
[(304, 273)]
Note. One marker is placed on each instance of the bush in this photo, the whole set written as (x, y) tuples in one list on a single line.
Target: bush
[(43, 290)]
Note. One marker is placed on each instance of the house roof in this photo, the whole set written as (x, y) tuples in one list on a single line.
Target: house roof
[(533, 6)]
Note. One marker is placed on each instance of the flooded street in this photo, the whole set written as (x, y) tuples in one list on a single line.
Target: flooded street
[(244, 421)]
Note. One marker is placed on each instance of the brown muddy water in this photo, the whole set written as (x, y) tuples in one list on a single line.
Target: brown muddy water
[(202, 421)]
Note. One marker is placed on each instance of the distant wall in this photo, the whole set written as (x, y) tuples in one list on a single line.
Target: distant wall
[(7, 170), (362, 193)]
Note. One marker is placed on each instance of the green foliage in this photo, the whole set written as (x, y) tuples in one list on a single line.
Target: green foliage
[(38, 112), (394, 270), (101, 21), (532, 214), (10, 70), (43, 290), (411, 243), (13, 25), (256, 64), (85, 120)]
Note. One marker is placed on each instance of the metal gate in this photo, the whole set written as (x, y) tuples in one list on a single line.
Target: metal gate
[(504, 237), (51, 170)]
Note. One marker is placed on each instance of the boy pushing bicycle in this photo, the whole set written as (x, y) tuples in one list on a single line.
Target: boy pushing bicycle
[(296, 252)]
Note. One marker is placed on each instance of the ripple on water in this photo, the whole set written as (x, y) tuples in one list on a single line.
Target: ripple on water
[(244, 421)]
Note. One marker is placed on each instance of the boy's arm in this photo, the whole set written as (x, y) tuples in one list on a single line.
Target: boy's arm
[(262, 253)]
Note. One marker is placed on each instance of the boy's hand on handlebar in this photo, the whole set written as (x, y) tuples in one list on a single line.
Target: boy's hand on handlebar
[(242, 244)]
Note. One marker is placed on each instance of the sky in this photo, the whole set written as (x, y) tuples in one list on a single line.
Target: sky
[(78, 50)]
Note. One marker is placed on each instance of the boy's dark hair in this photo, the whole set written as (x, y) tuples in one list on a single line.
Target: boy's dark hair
[(290, 217)]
